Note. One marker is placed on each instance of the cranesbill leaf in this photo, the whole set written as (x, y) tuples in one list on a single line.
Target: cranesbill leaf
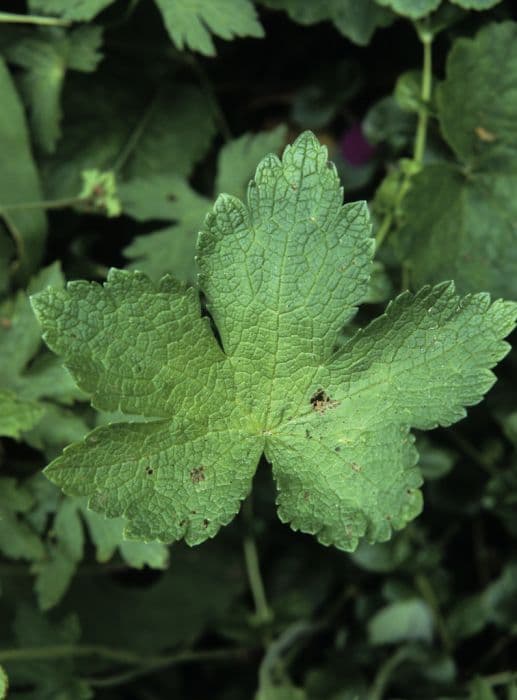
[(190, 23), (281, 274), (355, 20), (459, 218)]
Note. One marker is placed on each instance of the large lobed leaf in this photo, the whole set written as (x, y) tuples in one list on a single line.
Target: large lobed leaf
[(281, 274)]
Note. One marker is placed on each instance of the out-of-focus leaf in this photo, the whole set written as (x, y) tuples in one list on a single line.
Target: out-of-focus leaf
[(476, 4), (190, 23), (50, 679), (17, 415), (47, 56), (415, 9), (481, 690), (141, 137), (406, 620), (17, 539), (19, 179), (172, 249), (76, 10), (459, 218), (355, 20)]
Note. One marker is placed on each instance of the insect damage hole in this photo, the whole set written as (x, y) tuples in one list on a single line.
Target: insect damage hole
[(321, 401)]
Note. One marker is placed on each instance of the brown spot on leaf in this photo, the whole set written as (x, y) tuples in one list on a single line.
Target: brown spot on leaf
[(306, 495), (197, 474), (206, 522), (149, 471), (356, 467), (6, 323), (321, 401)]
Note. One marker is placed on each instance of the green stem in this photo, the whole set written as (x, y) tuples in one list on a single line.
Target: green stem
[(427, 592), (502, 678), (264, 613), (383, 229), (425, 97), (123, 656), (44, 204), (135, 136), (11, 18), (385, 672), (420, 136)]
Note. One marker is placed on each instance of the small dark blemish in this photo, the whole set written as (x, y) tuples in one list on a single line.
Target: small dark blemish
[(306, 495), (197, 474), (206, 522), (337, 449), (307, 434), (149, 471), (321, 401)]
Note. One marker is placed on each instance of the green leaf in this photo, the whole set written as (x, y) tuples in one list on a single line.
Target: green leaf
[(16, 415), (355, 20), (51, 678), (141, 137), (406, 620), (107, 535), (20, 182), (480, 689), (415, 9), (76, 11), (281, 274), (17, 539), (189, 23), (459, 218), (47, 56), (172, 249), (65, 551), (476, 4), (27, 379), (238, 158), (4, 684)]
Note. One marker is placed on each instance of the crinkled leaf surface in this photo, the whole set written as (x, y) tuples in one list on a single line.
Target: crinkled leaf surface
[(355, 20), (281, 273), (189, 22), (172, 249), (459, 218)]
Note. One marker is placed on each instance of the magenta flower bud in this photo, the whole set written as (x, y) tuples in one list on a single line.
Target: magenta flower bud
[(355, 149)]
